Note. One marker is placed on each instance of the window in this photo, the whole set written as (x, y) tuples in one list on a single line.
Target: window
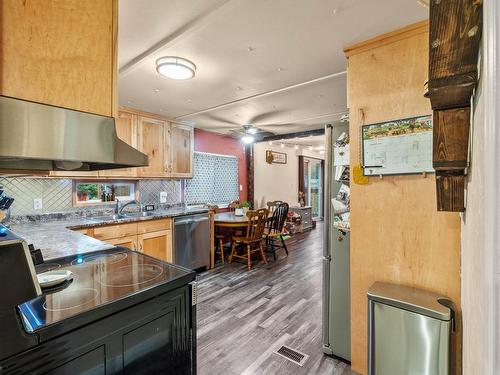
[(99, 192), (215, 179)]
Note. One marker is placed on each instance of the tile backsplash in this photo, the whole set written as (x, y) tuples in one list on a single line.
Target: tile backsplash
[(56, 194)]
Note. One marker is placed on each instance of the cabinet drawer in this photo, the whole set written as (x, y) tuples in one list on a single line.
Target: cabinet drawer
[(115, 231), (154, 225)]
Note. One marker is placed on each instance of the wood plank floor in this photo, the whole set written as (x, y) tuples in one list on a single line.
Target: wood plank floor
[(243, 316)]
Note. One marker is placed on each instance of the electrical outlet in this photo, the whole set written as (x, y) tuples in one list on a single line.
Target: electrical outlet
[(163, 197), (37, 203)]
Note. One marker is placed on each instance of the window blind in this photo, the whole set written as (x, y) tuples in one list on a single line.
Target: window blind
[(215, 179)]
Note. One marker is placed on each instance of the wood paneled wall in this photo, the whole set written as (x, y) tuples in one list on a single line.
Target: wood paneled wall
[(397, 234), (60, 52)]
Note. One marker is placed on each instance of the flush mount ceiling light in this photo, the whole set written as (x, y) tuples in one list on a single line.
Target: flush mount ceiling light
[(247, 139), (175, 67)]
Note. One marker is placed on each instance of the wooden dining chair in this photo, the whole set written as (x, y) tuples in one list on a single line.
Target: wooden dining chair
[(218, 238), (275, 229), (232, 206), (271, 206), (252, 242)]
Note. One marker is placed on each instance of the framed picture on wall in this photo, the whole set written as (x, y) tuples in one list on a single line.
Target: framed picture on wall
[(274, 157)]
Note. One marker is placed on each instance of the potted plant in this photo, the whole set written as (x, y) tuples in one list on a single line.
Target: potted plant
[(240, 208), (245, 206)]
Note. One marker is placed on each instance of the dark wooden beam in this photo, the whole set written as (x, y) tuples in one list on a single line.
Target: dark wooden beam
[(450, 191), (455, 28), (451, 137), (454, 37), (307, 133), (249, 156)]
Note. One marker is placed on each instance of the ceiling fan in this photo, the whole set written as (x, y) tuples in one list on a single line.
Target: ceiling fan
[(248, 132)]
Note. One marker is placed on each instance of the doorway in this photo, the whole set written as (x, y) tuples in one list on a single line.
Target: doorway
[(311, 183)]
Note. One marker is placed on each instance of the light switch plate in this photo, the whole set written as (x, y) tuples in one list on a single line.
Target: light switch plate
[(241, 187), (37, 204), (163, 197)]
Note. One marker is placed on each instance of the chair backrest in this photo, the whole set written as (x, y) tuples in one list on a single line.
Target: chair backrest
[(212, 208), (256, 224), (271, 206), (232, 206), (279, 217)]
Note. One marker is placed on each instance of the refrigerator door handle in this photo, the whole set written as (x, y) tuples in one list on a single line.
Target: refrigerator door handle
[(326, 240)]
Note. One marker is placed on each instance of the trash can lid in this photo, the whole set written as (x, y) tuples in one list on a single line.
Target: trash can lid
[(411, 299)]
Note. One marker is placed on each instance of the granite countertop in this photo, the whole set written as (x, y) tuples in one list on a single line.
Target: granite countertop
[(57, 238)]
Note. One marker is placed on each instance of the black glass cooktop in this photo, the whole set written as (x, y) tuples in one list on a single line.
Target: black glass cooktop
[(99, 279)]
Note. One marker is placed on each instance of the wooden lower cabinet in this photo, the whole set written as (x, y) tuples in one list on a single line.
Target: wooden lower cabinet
[(151, 237), (156, 244), (130, 242)]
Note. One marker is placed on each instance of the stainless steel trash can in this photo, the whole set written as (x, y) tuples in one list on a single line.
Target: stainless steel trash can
[(409, 331)]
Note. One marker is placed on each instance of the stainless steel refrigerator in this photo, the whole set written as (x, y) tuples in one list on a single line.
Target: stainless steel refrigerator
[(336, 272)]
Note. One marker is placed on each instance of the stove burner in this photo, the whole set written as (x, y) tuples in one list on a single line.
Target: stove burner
[(133, 275), (46, 267), (108, 258), (71, 299)]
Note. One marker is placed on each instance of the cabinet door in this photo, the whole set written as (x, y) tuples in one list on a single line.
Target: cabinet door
[(60, 53), (181, 145), (129, 242), (126, 130), (151, 141), (156, 244)]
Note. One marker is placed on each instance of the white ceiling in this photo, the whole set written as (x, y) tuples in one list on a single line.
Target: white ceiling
[(277, 64)]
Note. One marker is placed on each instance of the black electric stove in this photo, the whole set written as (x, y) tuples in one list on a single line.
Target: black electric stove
[(122, 312)]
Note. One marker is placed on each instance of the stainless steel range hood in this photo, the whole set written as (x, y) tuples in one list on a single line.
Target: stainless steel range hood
[(37, 136)]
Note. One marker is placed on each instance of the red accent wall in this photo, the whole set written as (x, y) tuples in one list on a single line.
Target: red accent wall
[(221, 144)]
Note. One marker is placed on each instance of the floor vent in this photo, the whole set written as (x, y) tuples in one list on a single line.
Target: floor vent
[(292, 355)]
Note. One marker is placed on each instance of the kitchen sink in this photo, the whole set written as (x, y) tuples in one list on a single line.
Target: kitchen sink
[(140, 214), (110, 217)]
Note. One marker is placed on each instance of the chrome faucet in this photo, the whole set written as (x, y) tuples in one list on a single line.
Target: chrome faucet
[(119, 210)]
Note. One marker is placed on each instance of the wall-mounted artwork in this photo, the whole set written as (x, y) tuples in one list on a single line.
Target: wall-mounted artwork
[(398, 147), (274, 157)]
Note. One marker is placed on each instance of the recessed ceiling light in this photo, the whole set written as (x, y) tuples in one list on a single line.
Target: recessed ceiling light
[(239, 88), (282, 145), (156, 91), (296, 147), (161, 109), (270, 143), (188, 100), (129, 101), (247, 139), (175, 67), (280, 69)]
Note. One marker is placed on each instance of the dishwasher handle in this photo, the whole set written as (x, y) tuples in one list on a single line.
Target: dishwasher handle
[(190, 219)]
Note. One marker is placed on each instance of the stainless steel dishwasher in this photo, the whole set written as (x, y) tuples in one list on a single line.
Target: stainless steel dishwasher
[(192, 241)]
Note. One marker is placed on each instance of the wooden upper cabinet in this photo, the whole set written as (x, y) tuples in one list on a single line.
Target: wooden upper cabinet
[(60, 52), (152, 134), (181, 145), (126, 130)]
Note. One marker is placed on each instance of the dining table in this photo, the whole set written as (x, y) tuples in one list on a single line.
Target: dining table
[(230, 220)]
